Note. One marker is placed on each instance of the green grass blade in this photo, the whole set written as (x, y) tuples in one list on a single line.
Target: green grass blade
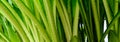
[(51, 21), (110, 25), (3, 36), (11, 33), (11, 18), (107, 9), (86, 22), (96, 19), (76, 19), (19, 20), (26, 11), (67, 28)]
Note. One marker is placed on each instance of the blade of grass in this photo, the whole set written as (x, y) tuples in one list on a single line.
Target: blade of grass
[(1, 29), (117, 22), (96, 19), (110, 25), (60, 30), (51, 21), (115, 12), (11, 34), (98, 8), (107, 9), (35, 33), (13, 21), (19, 20), (2, 40), (40, 20), (85, 22), (109, 13), (66, 14), (3, 36), (75, 20), (39, 5), (67, 28), (29, 4), (54, 12), (39, 26), (69, 2)]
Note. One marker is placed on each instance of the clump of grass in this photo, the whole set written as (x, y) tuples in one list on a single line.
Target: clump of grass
[(59, 20)]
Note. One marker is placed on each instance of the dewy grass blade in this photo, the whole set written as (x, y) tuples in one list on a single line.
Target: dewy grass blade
[(5, 12), (27, 12), (19, 20)]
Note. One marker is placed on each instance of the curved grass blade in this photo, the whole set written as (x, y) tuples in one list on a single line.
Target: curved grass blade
[(51, 22), (11, 33), (5, 12), (3, 36), (28, 13), (19, 20), (65, 23)]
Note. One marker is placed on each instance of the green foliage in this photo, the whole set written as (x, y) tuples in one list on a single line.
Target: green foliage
[(59, 20)]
